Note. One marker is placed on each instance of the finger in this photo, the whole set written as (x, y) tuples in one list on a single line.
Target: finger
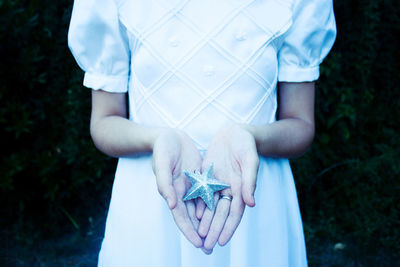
[(217, 224), (184, 223), (233, 220), (166, 189), (249, 168), (200, 207), (207, 218), (191, 209), (207, 252)]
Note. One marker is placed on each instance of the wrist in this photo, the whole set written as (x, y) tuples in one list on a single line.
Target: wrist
[(251, 129), (163, 132), (235, 131)]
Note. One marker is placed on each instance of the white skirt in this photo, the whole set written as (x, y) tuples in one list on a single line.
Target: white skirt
[(140, 230)]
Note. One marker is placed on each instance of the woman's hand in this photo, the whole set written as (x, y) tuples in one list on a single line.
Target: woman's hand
[(234, 156), (173, 152)]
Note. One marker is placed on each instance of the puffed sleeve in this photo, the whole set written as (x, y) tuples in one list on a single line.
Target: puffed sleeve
[(307, 42), (99, 43)]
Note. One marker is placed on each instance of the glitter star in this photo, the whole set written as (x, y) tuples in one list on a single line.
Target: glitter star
[(204, 185)]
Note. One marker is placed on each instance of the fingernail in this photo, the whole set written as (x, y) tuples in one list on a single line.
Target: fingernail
[(199, 244), (169, 203), (208, 252)]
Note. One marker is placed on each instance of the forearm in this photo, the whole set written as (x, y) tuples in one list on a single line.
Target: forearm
[(113, 133), (117, 136), (284, 138), (292, 134)]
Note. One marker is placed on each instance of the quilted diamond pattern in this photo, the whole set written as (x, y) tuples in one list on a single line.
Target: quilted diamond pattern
[(198, 73)]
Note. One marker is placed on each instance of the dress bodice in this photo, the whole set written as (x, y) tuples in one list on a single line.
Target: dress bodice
[(200, 65)]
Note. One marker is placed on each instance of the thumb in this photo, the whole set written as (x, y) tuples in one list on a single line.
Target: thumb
[(249, 180), (166, 189)]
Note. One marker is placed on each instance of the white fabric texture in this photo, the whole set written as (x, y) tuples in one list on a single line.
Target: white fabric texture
[(199, 65)]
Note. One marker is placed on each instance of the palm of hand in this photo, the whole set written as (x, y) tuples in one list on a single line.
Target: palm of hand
[(173, 153), (234, 156)]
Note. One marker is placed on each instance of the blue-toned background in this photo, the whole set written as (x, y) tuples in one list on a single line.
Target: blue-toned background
[(55, 186)]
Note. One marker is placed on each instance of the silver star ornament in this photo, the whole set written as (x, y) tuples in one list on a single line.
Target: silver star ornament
[(204, 185)]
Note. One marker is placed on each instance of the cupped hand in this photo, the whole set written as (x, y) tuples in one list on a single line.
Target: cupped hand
[(174, 152), (233, 154)]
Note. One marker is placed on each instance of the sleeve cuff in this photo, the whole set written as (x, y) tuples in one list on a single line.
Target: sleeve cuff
[(112, 84), (298, 74)]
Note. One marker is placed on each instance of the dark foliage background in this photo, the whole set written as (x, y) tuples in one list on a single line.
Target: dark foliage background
[(55, 186)]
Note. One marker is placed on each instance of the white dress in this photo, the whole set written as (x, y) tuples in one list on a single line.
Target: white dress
[(199, 65)]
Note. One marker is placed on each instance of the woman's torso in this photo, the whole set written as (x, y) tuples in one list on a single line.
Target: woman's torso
[(201, 64)]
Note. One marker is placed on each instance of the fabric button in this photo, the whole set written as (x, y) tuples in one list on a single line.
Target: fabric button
[(209, 70), (241, 36), (173, 41)]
